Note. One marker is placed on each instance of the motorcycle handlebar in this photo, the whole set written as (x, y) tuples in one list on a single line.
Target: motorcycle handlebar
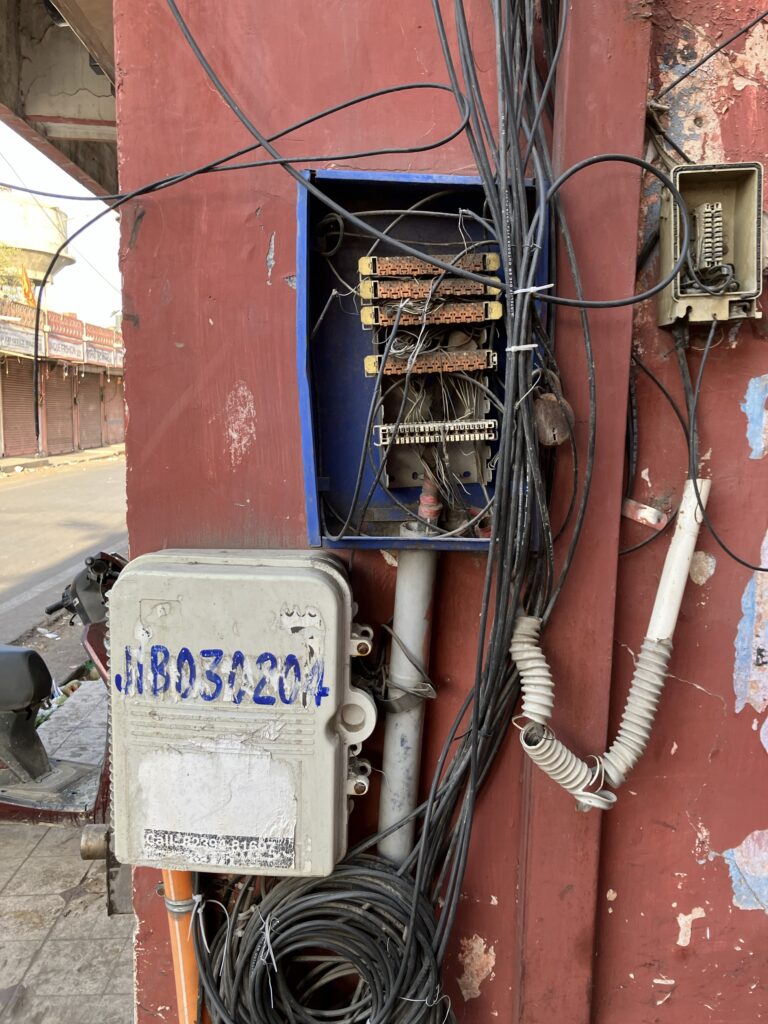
[(57, 606)]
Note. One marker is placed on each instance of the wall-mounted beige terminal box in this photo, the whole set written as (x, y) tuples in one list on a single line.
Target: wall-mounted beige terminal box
[(723, 274)]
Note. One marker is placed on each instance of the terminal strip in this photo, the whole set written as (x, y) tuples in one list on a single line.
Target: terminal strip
[(410, 266), (445, 313), (441, 361), (373, 289), (435, 432)]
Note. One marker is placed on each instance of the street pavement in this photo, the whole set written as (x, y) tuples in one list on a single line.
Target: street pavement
[(50, 519)]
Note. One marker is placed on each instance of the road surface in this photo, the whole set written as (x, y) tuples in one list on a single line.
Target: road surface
[(49, 521)]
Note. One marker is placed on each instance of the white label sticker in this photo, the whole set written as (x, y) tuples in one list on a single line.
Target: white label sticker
[(207, 848)]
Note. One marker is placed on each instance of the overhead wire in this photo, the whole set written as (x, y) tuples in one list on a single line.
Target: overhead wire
[(175, 179)]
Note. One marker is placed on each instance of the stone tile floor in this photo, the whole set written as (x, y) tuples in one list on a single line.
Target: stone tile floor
[(62, 959)]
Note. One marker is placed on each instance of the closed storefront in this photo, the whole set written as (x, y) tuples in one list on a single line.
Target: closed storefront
[(17, 407), (59, 411), (78, 406), (114, 411), (89, 410)]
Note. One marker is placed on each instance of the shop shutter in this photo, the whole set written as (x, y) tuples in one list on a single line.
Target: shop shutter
[(58, 412), (89, 409), (114, 411), (18, 408)]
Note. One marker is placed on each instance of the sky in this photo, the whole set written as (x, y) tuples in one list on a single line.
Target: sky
[(91, 286)]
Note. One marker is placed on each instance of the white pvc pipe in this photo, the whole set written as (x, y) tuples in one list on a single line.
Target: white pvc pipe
[(674, 577), (412, 625)]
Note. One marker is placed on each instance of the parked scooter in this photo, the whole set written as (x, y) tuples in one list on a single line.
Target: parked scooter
[(34, 786)]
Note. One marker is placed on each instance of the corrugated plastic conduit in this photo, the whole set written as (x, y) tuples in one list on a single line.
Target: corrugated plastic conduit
[(585, 780)]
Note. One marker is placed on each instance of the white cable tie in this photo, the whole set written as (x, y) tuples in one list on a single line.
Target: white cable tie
[(198, 901), (521, 348), (533, 289)]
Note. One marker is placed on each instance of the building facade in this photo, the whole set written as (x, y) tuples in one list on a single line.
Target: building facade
[(80, 390)]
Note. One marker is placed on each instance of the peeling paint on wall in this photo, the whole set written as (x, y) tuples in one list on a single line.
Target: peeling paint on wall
[(240, 411), (702, 844), (750, 670), (478, 962), (748, 867), (729, 78), (685, 925), (702, 567), (754, 408), (270, 257)]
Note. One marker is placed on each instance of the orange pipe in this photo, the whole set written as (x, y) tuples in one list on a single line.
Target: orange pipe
[(178, 888)]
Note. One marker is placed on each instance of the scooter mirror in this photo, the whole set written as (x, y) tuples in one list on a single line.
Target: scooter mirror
[(24, 678)]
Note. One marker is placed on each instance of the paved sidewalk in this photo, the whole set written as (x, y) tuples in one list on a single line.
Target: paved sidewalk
[(34, 462), (62, 960)]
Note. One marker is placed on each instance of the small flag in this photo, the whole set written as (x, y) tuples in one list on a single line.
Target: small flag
[(29, 291)]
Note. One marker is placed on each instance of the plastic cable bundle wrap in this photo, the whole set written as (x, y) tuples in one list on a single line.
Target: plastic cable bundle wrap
[(639, 711), (535, 676), (564, 767), (287, 952)]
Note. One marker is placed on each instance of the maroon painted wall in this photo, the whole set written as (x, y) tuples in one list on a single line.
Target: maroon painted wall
[(213, 459), (700, 792)]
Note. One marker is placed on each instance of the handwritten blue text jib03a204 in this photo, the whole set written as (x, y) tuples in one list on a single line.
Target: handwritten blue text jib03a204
[(211, 675)]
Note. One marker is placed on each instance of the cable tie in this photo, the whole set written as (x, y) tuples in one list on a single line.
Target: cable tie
[(521, 348), (533, 289), (198, 902)]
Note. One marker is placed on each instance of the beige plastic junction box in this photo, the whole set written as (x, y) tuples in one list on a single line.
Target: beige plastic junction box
[(232, 713), (724, 203)]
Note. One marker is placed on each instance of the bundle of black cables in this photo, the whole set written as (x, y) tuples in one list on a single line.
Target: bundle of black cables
[(331, 949)]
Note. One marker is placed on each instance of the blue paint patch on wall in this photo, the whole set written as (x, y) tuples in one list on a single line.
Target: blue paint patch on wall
[(743, 643), (754, 408), (750, 668), (748, 868)]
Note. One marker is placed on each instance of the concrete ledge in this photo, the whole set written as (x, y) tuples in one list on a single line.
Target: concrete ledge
[(8, 467)]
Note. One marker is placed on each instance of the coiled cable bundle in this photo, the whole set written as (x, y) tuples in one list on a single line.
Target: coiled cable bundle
[(356, 946)]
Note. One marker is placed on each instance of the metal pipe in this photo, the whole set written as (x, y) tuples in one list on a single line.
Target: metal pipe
[(94, 842), (412, 627)]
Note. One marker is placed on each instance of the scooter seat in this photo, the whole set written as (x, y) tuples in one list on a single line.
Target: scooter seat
[(24, 678)]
